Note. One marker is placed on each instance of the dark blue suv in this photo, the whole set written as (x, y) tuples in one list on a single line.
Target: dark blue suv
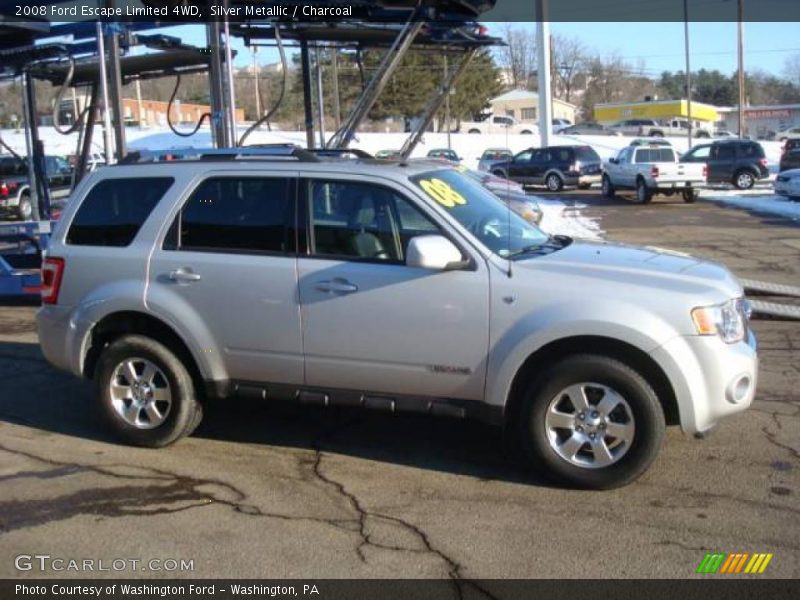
[(553, 167)]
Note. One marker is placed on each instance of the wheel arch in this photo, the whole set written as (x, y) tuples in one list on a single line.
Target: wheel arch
[(124, 322), (556, 350)]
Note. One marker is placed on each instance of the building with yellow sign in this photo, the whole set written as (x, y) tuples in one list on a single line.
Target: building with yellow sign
[(660, 110)]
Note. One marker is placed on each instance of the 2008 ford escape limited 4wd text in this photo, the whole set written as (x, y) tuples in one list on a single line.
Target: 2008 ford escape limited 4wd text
[(406, 287)]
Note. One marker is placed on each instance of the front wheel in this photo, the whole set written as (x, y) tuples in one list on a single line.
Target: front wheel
[(608, 187), (643, 193), (474, 131), (591, 422), (145, 392)]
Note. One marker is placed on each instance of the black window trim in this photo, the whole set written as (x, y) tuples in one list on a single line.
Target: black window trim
[(304, 200), (167, 246)]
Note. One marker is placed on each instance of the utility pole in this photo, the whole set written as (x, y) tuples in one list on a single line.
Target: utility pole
[(255, 84), (447, 107), (337, 111), (740, 51), (543, 68), (688, 71)]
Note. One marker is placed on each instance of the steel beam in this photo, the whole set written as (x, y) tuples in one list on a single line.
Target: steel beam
[(389, 64), (305, 62), (115, 84), (435, 104)]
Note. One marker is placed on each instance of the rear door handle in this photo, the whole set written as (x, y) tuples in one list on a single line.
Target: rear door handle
[(184, 275), (336, 286)]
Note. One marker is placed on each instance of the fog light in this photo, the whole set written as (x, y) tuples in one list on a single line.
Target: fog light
[(739, 389)]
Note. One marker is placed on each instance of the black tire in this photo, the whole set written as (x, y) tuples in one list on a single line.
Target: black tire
[(474, 131), (645, 409), (584, 186), (526, 132), (185, 412), (690, 196), (500, 173), (553, 182), (643, 193), (608, 187), (656, 134), (743, 180), (703, 135), (25, 207)]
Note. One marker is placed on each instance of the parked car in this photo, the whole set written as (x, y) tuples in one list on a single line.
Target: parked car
[(445, 153), (792, 133), (790, 155), (492, 156), (588, 128), (632, 126), (510, 192), (387, 155), (559, 124), (15, 195), (723, 134), (390, 287), (94, 161), (554, 167), (652, 169), (787, 183), (674, 127), (739, 162), (492, 123)]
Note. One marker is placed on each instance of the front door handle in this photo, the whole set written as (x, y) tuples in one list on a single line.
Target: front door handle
[(184, 275), (336, 286)]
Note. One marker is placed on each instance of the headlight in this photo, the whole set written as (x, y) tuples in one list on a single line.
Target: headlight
[(727, 320)]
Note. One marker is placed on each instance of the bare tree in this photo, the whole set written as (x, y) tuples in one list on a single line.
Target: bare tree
[(791, 68), (518, 57), (569, 59)]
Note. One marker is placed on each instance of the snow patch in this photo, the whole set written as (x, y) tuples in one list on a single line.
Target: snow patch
[(756, 202), (565, 219)]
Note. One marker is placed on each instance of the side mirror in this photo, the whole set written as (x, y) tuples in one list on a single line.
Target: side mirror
[(613, 161), (434, 252)]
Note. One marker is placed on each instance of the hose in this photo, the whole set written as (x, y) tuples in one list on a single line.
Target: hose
[(57, 102), (273, 110), (199, 124)]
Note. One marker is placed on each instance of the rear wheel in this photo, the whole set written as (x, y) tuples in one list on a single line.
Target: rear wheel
[(526, 132), (25, 207), (591, 422), (145, 392), (554, 182), (744, 180), (689, 195), (608, 187), (657, 134), (643, 193), (474, 131)]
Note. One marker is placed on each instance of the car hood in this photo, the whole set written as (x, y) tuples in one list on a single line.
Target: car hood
[(652, 267)]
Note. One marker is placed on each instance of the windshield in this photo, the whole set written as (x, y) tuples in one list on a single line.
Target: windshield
[(495, 225)]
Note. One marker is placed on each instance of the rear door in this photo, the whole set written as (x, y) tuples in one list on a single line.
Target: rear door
[(229, 260)]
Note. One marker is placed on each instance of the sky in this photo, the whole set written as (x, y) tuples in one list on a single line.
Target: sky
[(655, 46)]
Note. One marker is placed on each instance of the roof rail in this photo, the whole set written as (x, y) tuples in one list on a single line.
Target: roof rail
[(264, 152)]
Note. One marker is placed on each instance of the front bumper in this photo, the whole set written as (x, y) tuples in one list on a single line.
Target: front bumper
[(711, 379)]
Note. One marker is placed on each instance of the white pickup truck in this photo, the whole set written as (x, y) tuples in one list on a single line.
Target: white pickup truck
[(498, 124), (674, 127), (652, 169)]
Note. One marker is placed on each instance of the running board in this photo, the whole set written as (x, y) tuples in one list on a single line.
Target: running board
[(771, 309), (771, 289)]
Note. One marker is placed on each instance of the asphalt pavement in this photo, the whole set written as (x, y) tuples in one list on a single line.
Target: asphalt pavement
[(264, 490)]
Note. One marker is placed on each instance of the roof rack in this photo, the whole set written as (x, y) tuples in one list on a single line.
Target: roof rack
[(264, 152)]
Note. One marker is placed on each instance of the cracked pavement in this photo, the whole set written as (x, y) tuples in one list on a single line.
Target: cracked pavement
[(281, 491)]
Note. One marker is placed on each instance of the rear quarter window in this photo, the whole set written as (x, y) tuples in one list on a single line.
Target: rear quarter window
[(586, 154), (114, 210)]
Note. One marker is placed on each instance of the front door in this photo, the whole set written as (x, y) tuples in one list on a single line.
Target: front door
[(370, 323), (522, 166), (228, 264)]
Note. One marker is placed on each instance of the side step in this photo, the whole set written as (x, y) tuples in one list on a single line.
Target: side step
[(771, 309), (771, 289)]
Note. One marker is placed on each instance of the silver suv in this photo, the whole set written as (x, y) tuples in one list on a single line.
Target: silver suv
[(391, 286)]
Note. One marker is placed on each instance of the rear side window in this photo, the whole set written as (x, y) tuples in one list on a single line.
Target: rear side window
[(238, 215), (752, 151), (653, 155), (115, 209), (586, 154)]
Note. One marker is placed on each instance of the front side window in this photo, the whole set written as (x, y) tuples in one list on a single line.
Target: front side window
[(239, 215), (476, 209), (115, 209), (363, 221)]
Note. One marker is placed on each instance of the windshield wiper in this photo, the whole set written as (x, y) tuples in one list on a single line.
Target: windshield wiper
[(553, 243)]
